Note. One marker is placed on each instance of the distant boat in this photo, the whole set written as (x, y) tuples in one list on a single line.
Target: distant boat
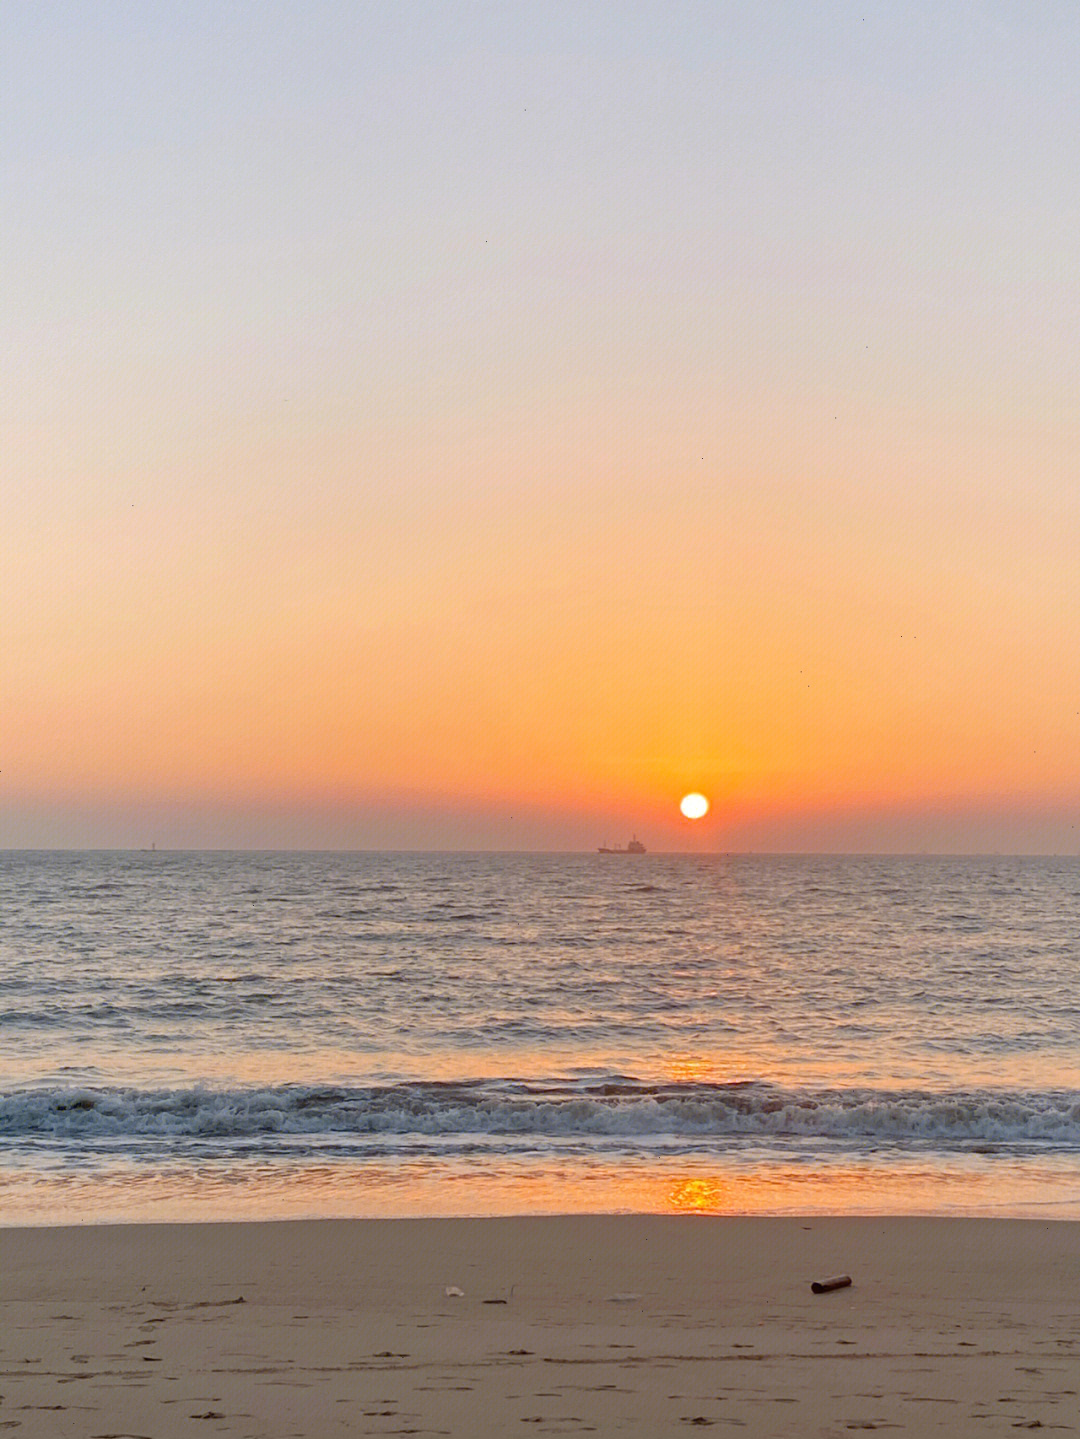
[(634, 847)]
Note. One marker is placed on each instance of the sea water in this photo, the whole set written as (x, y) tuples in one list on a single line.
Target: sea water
[(237, 1035)]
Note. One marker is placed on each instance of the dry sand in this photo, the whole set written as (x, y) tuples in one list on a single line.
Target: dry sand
[(611, 1325)]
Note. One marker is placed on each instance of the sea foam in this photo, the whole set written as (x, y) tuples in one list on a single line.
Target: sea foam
[(559, 1109)]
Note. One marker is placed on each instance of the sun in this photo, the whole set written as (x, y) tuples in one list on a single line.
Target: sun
[(694, 806)]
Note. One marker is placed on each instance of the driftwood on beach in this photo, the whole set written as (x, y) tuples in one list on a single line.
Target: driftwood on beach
[(823, 1286)]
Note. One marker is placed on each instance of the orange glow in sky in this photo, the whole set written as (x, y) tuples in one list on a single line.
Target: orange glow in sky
[(482, 435)]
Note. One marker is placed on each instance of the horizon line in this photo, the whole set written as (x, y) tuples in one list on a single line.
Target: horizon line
[(653, 853)]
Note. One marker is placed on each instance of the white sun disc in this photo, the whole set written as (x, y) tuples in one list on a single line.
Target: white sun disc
[(694, 806)]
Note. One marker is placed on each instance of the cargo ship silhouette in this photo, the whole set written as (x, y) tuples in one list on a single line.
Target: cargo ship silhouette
[(634, 847)]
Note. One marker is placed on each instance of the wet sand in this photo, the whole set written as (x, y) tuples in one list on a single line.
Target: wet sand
[(632, 1325)]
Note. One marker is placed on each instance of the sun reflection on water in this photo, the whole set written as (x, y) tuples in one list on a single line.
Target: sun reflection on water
[(698, 1196)]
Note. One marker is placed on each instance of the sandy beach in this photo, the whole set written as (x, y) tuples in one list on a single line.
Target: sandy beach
[(602, 1325)]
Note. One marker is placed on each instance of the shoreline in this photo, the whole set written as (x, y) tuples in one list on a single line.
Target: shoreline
[(1048, 1214), (964, 1186), (609, 1324)]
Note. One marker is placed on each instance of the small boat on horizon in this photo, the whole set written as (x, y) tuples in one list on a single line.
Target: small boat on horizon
[(634, 847)]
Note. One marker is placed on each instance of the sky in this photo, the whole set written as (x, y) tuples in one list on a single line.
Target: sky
[(474, 425)]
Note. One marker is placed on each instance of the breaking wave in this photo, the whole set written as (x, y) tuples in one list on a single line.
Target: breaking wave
[(614, 1108)]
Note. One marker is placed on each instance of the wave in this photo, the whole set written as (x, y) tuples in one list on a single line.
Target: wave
[(615, 1108)]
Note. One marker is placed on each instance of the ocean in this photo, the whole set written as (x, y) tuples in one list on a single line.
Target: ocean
[(260, 1035)]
